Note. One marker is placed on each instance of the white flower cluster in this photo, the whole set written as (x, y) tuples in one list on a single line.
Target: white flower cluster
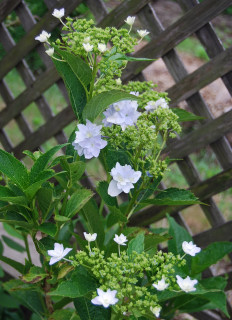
[(123, 179), (153, 105), (190, 248), (88, 140), (105, 299), (123, 113)]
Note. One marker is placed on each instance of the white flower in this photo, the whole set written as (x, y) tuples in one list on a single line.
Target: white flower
[(43, 36), (102, 47), (156, 311), (88, 47), (161, 285), (143, 33), (186, 284), (90, 237), (123, 113), (118, 81), (121, 240), (135, 93), (58, 253), (105, 299), (130, 20), (153, 105), (50, 51), (58, 13), (86, 40), (190, 248), (123, 179), (88, 140)]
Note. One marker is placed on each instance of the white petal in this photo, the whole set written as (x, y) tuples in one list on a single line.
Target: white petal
[(96, 301), (113, 190), (54, 260), (66, 251)]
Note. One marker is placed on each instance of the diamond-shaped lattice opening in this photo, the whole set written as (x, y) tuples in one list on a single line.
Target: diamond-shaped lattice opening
[(223, 201), (15, 82), (222, 27), (167, 11), (95, 170), (55, 99), (174, 178), (159, 74), (49, 144), (34, 62), (33, 116), (195, 219), (217, 97), (28, 162), (14, 133), (206, 163), (69, 128), (2, 103), (14, 26), (192, 53)]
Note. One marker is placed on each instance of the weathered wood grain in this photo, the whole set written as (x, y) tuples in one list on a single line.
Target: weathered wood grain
[(6, 7), (201, 137), (177, 32), (203, 190)]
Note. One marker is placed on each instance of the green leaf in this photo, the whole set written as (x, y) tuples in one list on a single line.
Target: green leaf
[(78, 66), (12, 244), (79, 284), (173, 197), (87, 311), (35, 274), (42, 162), (93, 221), (100, 102), (25, 293), (48, 228), (14, 264), (76, 91), (185, 115), (12, 231), (77, 200), (112, 156), (115, 216), (209, 256), (179, 235), (102, 189), (16, 219), (123, 57), (61, 218), (136, 244), (152, 240), (70, 151), (64, 315), (13, 169), (76, 170), (44, 198)]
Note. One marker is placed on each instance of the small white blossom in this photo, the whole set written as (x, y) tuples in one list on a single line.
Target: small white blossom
[(105, 299), (50, 51), (186, 284), (121, 240), (88, 47), (190, 248), (86, 40), (88, 140), (135, 93), (123, 113), (118, 81), (153, 105), (123, 179), (58, 13), (161, 285), (43, 36), (58, 253), (156, 311), (130, 20), (102, 47), (90, 237), (143, 33)]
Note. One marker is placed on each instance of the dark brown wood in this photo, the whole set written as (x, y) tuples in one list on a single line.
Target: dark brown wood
[(200, 78), (6, 7), (177, 32), (201, 137), (203, 191)]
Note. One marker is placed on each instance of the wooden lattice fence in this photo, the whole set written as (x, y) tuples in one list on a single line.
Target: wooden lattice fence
[(211, 131)]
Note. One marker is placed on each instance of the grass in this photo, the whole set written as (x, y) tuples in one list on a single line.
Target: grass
[(192, 46)]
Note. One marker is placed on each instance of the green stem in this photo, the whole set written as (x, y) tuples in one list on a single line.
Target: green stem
[(27, 247), (95, 69)]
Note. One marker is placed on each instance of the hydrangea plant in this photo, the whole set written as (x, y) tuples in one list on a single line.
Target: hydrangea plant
[(90, 255)]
